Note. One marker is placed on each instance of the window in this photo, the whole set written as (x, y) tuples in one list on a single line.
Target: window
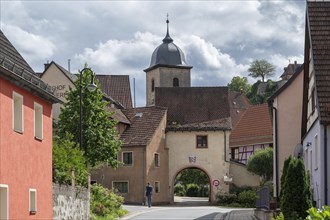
[(157, 160), (38, 133), (128, 158), (201, 141), (120, 187), (18, 122), (157, 187), (3, 201), (152, 85), (316, 152), (33, 201), (175, 82), (234, 153)]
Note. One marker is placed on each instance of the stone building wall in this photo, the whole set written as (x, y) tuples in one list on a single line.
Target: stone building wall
[(70, 202)]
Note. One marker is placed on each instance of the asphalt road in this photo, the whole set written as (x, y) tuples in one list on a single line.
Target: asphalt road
[(187, 209)]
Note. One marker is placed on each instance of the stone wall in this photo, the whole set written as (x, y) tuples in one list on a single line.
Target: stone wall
[(70, 202)]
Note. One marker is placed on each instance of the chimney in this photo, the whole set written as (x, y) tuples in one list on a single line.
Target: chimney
[(69, 65), (47, 65)]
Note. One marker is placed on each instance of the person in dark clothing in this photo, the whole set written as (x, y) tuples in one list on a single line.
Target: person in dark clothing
[(149, 193)]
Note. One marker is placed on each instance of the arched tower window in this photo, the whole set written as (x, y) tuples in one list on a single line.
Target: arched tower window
[(175, 82), (152, 85)]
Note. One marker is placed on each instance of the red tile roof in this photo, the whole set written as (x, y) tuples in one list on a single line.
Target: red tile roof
[(255, 127), (318, 15), (195, 108), (144, 122), (117, 87), (238, 104)]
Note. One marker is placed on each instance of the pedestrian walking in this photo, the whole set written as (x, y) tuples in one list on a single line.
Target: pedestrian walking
[(149, 193)]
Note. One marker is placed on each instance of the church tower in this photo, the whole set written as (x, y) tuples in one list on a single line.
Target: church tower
[(167, 68)]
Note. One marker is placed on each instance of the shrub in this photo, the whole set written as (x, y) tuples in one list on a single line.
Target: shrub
[(105, 203), (247, 198), (226, 199), (233, 189), (179, 190), (192, 190), (323, 213), (280, 216)]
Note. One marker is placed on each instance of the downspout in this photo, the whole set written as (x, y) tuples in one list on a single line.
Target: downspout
[(325, 166), (276, 150), (143, 175), (225, 145)]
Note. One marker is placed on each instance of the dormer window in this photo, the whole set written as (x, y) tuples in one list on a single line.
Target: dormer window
[(175, 82)]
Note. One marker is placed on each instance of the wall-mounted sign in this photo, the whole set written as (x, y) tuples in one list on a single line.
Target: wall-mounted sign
[(216, 182)]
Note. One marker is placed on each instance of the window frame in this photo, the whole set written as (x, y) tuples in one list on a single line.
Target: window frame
[(157, 162), (4, 186), (132, 158), (120, 181), (18, 111), (176, 82), (152, 85), (202, 146), (32, 209), (157, 186), (38, 121)]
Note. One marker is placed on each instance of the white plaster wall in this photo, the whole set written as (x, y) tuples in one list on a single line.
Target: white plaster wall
[(211, 160)]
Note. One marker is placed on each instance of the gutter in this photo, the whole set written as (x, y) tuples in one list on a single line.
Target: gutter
[(276, 151), (325, 165)]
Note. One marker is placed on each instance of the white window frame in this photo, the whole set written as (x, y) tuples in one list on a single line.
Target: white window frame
[(155, 184), (121, 181), (157, 164), (32, 209), (122, 158), (7, 201), (38, 121), (18, 112)]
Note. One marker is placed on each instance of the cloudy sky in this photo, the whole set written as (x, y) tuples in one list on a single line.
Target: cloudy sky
[(219, 38)]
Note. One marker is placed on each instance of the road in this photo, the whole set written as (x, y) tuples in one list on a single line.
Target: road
[(186, 209)]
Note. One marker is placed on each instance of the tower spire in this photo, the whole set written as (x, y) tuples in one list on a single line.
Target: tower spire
[(167, 38)]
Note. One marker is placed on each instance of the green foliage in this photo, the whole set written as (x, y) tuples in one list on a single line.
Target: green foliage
[(65, 157), (195, 177), (255, 97), (192, 190), (261, 163), (319, 214), (100, 138), (239, 84), (247, 198), (105, 204), (296, 197), (226, 199), (179, 190), (261, 68), (284, 173), (279, 217)]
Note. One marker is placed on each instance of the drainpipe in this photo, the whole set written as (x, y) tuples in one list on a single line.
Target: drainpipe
[(143, 175), (225, 145), (325, 166), (276, 151)]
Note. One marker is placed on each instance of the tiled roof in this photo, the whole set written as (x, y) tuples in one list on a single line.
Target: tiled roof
[(118, 115), (15, 69), (8, 51), (290, 70), (319, 27), (238, 104), (195, 108), (118, 87), (254, 127), (144, 122)]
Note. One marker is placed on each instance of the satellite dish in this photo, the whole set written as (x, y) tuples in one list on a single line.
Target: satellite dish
[(298, 151)]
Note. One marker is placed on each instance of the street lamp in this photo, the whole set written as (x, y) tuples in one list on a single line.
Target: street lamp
[(91, 87)]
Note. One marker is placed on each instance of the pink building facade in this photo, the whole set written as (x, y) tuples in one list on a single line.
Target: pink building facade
[(25, 140)]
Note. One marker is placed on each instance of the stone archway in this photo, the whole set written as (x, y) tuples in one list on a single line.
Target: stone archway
[(173, 180)]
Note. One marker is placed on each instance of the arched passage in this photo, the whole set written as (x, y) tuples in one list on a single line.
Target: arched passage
[(199, 177)]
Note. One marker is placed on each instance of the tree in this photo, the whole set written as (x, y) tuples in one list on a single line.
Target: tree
[(285, 170), (100, 138), (296, 197), (67, 156), (239, 84), (261, 68), (261, 163)]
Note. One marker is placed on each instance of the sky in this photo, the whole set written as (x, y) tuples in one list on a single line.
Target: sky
[(220, 38)]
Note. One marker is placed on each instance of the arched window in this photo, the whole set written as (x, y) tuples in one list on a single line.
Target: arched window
[(175, 82), (152, 85)]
